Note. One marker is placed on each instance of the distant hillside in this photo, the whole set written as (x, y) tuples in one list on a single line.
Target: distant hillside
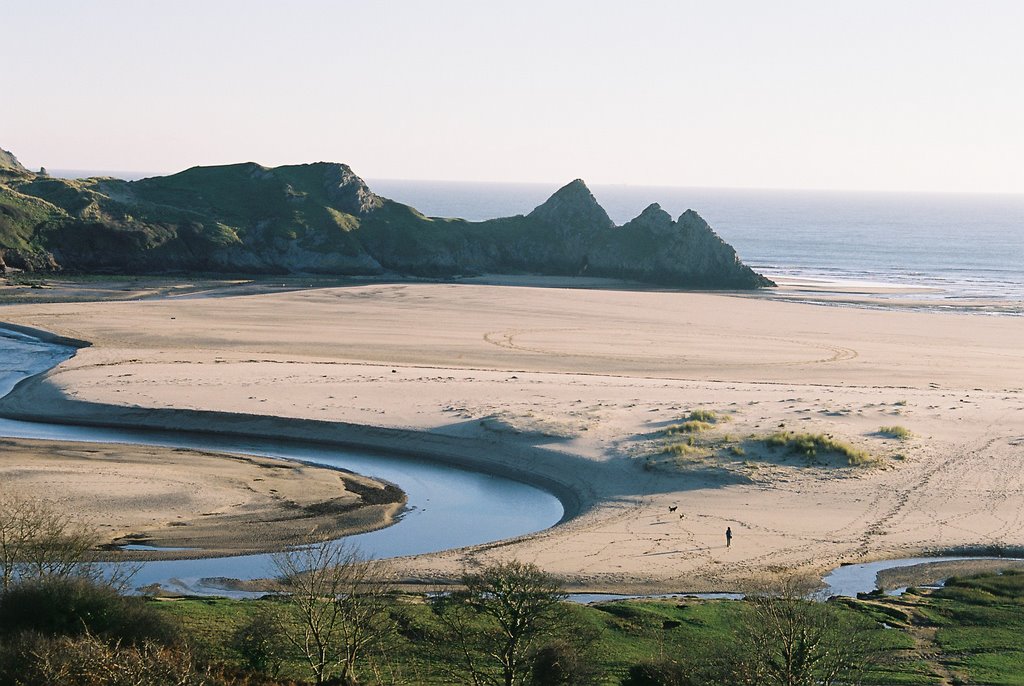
[(322, 218)]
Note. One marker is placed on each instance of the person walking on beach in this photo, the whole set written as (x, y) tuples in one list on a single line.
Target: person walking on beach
[(728, 537)]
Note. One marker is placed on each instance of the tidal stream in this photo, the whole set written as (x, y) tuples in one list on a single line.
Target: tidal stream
[(448, 507)]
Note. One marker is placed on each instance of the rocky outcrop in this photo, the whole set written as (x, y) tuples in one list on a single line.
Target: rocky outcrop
[(573, 211), (347, 192), (9, 161), (683, 253), (26, 261), (322, 218)]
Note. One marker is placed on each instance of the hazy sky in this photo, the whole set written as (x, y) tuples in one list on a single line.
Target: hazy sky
[(853, 95)]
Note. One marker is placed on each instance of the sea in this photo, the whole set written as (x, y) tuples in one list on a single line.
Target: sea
[(942, 251), (942, 248)]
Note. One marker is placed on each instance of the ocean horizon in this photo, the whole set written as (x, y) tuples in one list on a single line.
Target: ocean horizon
[(949, 247)]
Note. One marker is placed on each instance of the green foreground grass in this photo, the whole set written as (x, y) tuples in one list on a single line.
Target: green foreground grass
[(971, 631)]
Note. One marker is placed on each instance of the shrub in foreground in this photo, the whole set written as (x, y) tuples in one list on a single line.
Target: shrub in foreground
[(90, 661), (75, 607), (561, 663)]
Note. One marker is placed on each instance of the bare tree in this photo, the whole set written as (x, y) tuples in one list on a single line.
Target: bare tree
[(790, 640), (495, 626), (336, 607), (37, 541)]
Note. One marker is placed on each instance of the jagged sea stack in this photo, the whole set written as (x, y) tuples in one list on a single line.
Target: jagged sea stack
[(685, 253)]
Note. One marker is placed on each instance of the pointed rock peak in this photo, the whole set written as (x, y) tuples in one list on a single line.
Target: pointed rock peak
[(654, 212), (652, 218), (574, 204), (9, 161), (347, 191), (691, 218), (574, 191)]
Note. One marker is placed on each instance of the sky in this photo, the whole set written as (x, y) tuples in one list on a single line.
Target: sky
[(860, 95)]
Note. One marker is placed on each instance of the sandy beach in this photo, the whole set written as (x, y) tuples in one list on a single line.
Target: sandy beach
[(576, 390), (200, 503)]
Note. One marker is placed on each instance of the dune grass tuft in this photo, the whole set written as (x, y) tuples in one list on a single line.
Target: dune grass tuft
[(691, 426), (900, 432), (810, 445), (709, 416), (685, 449), (698, 421)]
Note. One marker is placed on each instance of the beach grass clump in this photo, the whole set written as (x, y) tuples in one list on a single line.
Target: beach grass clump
[(811, 445), (708, 416), (677, 455), (698, 421), (685, 449), (898, 432), (690, 426)]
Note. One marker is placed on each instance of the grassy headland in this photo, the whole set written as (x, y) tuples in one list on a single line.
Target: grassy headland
[(321, 218)]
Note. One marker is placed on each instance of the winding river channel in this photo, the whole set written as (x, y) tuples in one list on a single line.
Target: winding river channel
[(447, 507)]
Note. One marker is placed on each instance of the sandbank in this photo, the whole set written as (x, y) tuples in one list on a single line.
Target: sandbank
[(193, 503)]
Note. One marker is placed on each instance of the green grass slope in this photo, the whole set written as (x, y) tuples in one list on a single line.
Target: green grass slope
[(969, 632)]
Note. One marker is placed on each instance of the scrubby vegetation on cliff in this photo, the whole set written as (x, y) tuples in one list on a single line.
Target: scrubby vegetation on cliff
[(321, 218)]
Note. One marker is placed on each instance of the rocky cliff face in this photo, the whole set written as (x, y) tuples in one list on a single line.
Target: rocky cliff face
[(573, 210), (573, 219), (686, 253), (322, 218), (9, 161), (347, 192)]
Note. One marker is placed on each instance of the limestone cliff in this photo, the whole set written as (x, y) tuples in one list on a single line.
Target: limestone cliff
[(322, 218), (654, 249)]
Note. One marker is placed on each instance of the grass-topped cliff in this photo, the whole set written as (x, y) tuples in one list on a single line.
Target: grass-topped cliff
[(322, 218)]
